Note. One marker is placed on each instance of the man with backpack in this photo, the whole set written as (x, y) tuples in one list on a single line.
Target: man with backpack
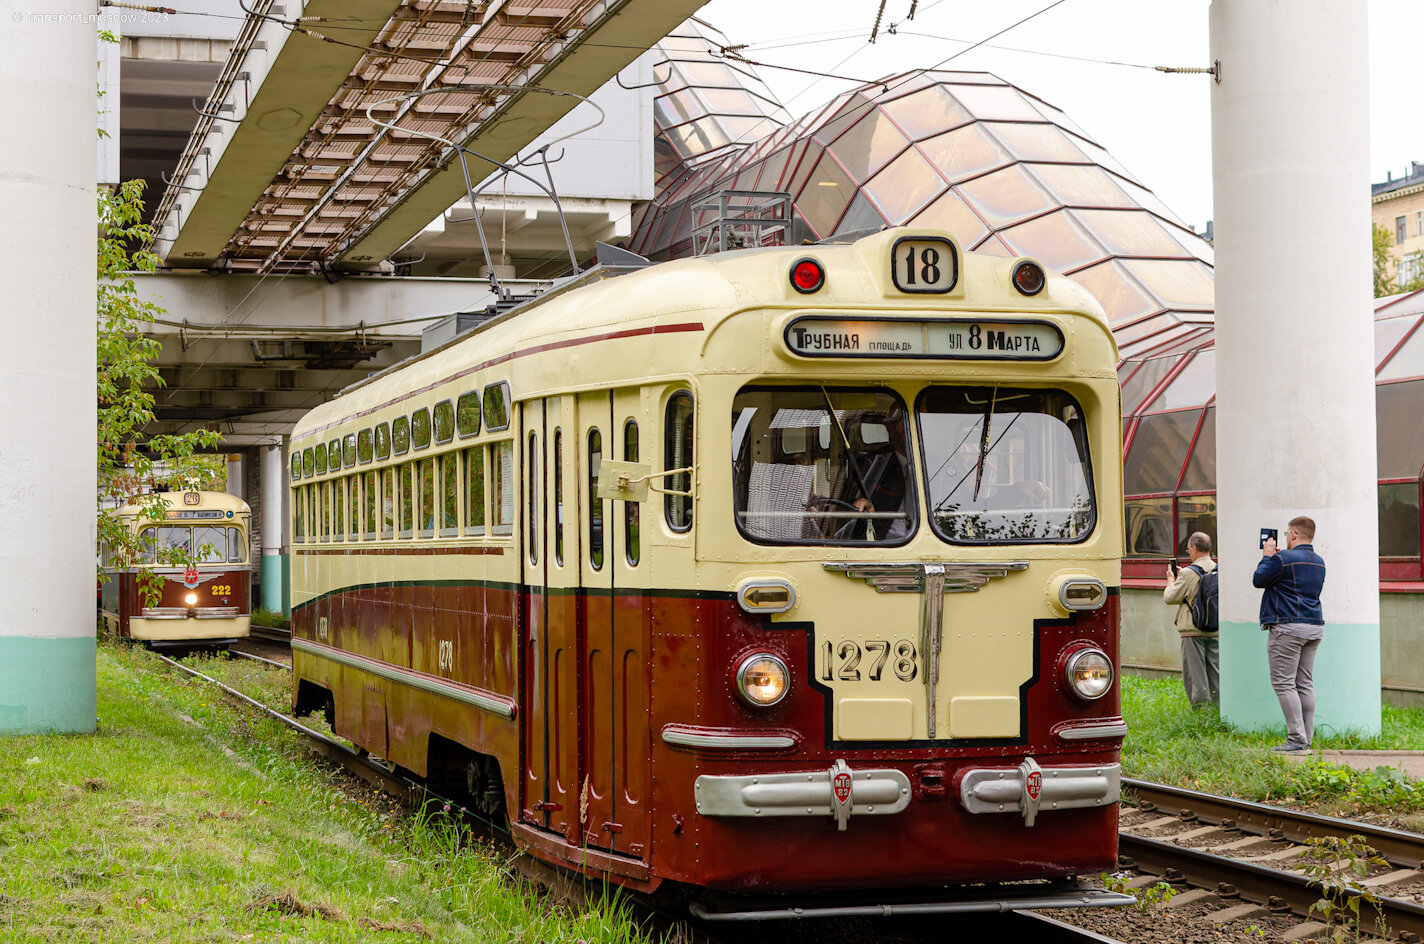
[(1193, 591)]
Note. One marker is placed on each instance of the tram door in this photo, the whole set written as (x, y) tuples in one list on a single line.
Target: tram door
[(614, 792), (552, 653)]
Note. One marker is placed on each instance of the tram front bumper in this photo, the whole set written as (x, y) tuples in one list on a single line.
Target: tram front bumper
[(841, 791)]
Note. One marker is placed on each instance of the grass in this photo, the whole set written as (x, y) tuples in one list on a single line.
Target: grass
[(265, 617), (148, 831), (1170, 742)]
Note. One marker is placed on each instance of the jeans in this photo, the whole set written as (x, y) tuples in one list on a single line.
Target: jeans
[(1201, 670), (1292, 661)]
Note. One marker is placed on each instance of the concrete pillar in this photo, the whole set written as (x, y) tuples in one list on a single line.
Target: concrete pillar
[(274, 486), (47, 463), (1295, 419), (236, 481)]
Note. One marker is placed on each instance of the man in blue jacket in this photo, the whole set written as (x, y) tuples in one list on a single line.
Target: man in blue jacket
[(1290, 614)]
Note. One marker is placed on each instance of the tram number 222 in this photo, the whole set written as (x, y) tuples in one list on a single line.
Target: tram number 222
[(849, 659)]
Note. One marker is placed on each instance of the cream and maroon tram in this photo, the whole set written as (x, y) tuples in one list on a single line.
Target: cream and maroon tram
[(785, 570), (204, 602)]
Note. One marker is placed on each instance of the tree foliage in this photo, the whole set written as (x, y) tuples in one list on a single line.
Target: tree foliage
[(1380, 241), (131, 463)]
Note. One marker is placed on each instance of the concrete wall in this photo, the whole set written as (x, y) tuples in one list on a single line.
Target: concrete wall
[(1151, 647)]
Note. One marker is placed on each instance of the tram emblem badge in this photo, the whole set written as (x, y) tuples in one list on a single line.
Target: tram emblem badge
[(1034, 786), (190, 578), (842, 787)]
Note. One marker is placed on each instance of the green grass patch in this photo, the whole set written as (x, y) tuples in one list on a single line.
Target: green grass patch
[(272, 620), (1170, 742), (186, 819)]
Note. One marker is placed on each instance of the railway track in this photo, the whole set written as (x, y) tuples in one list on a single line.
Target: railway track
[(905, 925), (1252, 853), (271, 634)]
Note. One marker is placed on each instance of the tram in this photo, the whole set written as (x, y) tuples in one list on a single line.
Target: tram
[(785, 570), (207, 603)]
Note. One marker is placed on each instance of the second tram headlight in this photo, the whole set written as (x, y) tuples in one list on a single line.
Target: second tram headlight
[(1088, 673), (763, 680), (191, 599)]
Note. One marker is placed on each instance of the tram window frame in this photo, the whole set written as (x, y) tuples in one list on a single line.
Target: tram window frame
[(387, 509), (420, 429), (679, 451), (448, 474), (296, 467), (372, 504), (497, 406), (353, 507), (595, 504), (503, 481), (400, 435), (382, 433), (632, 510), (236, 545), (531, 462), (338, 505), (559, 496), (333, 455), (308, 462), (467, 416), (348, 450), (325, 499), (442, 417), (474, 487), (365, 448), (320, 452), (425, 475), (405, 523), (299, 530), (203, 537)]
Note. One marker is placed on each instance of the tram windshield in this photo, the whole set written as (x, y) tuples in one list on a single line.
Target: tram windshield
[(818, 465), (209, 544), (1006, 465)]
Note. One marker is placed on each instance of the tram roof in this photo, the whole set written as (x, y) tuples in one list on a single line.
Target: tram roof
[(213, 501), (715, 287)]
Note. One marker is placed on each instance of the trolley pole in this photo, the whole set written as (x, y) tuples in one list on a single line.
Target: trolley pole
[(1295, 339), (48, 482)]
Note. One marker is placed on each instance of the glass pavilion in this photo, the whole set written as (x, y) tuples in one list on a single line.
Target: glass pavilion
[(1009, 174)]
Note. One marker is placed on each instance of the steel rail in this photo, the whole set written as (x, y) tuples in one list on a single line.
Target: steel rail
[(1256, 882), (1399, 847)]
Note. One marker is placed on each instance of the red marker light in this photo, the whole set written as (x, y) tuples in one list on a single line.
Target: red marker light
[(1029, 278), (807, 276)]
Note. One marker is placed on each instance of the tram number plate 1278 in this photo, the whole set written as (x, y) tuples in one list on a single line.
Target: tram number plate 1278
[(850, 661)]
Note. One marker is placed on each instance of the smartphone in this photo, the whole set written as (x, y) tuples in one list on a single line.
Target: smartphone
[(1267, 534), (1173, 564)]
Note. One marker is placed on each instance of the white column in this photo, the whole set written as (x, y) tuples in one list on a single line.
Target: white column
[(1295, 341), (236, 481), (274, 487), (48, 456)]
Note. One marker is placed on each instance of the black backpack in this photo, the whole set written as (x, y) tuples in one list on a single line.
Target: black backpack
[(1204, 604)]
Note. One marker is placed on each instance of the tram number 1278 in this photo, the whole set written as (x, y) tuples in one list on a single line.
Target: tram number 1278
[(870, 657)]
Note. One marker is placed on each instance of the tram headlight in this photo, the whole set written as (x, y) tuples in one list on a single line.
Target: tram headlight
[(1088, 673), (763, 680), (191, 599)]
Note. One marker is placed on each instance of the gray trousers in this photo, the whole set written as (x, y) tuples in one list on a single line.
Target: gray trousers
[(1292, 663), (1201, 670)]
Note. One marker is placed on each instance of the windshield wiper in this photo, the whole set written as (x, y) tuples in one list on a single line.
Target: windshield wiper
[(845, 441), (984, 442)]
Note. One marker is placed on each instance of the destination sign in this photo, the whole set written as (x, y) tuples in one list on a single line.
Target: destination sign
[(942, 338), (197, 514)]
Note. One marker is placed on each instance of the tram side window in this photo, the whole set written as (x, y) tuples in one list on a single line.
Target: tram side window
[(348, 449), (427, 497), (595, 504), (364, 446), (236, 546), (299, 515), (475, 490), (372, 494), (467, 413), (532, 461), (325, 500), (632, 511), (407, 499), (400, 435), (678, 455), (353, 507), (420, 428), (559, 497), (502, 471), (449, 494), (444, 419), (338, 501), (388, 503), (296, 467), (383, 441)]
